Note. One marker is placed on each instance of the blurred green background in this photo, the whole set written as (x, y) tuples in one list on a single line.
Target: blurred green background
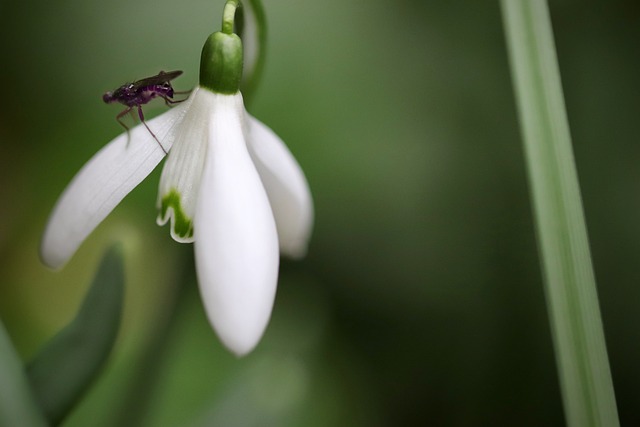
[(420, 302)]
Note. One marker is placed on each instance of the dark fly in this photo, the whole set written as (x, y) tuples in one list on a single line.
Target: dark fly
[(140, 92)]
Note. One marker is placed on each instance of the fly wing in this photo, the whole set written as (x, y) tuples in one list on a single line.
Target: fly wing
[(158, 79)]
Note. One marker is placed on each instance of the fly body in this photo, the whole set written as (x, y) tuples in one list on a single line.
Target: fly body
[(140, 92)]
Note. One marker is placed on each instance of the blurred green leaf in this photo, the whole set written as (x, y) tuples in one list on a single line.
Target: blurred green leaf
[(572, 299), (63, 370), (17, 406)]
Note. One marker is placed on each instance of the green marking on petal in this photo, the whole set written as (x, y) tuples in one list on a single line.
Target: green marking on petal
[(181, 224)]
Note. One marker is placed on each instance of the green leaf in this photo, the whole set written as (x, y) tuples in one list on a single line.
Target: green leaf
[(66, 366), (572, 300), (17, 404)]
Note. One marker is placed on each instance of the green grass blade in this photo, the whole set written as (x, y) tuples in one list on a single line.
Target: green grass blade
[(64, 369), (572, 301), (17, 404)]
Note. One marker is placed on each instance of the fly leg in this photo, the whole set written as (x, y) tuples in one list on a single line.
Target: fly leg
[(169, 102), (119, 117), (145, 125), (182, 92)]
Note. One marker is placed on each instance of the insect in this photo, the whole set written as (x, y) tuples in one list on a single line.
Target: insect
[(140, 92)]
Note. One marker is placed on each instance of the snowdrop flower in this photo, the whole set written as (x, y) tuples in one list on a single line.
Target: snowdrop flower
[(229, 185)]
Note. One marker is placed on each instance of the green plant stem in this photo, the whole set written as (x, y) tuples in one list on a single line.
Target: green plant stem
[(581, 355), (252, 28), (228, 16)]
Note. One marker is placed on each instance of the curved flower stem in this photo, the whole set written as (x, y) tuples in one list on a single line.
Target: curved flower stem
[(252, 27), (228, 16), (581, 354), (248, 20)]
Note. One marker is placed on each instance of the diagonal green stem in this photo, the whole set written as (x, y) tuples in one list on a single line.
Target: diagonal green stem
[(581, 355)]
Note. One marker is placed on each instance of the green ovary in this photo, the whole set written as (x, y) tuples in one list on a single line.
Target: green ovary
[(182, 224)]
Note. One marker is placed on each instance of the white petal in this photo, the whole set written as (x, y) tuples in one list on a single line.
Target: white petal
[(236, 243), (103, 182), (286, 187), (182, 171)]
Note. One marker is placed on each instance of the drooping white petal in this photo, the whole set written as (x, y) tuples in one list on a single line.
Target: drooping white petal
[(236, 243), (182, 171), (103, 182), (286, 187)]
